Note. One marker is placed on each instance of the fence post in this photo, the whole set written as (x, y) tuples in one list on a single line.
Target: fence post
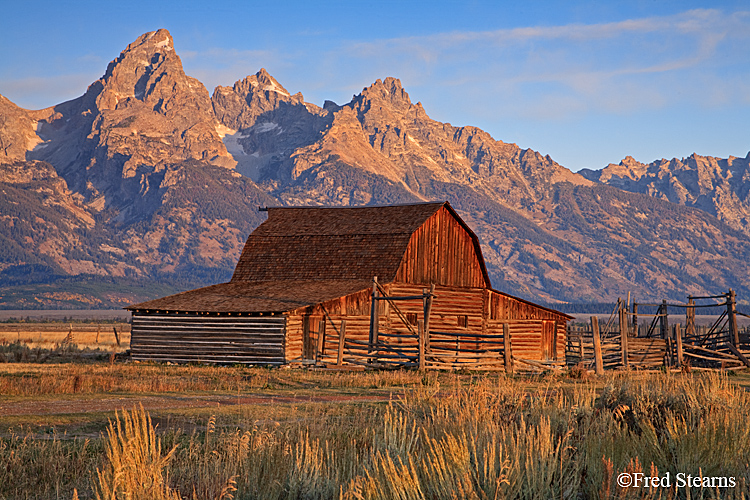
[(507, 349), (598, 363), (734, 334), (624, 336), (636, 333), (374, 315), (342, 339), (678, 342), (321, 340), (427, 309), (690, 318), (421, 332), (117, 337)]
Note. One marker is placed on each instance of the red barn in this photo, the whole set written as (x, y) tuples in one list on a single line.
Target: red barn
[(303, 289)]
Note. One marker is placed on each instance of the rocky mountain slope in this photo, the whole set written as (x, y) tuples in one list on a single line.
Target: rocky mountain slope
[(719, 186), (146, 179)]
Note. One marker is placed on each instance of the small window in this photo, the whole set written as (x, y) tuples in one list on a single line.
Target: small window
[(411, 318), (463, 321)]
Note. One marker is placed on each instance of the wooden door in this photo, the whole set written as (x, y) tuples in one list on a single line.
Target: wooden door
[(309, 335), (549, 340)]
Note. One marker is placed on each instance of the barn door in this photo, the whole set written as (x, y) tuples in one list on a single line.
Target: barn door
[(310, 326), (549, 340)]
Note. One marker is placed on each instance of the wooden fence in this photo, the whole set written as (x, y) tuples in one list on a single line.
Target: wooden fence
[(621, 343)]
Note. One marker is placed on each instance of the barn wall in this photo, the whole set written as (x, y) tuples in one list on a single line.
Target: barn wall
[(208, 339), (441, 251), (536, 333)]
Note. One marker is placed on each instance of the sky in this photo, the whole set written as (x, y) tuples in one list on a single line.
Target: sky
[(586, 82)]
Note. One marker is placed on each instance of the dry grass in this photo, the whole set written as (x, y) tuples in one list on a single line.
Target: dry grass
[(52, 335), (446, 436)]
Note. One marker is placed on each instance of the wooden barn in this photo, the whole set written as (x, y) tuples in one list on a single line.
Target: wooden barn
[(388, 286)]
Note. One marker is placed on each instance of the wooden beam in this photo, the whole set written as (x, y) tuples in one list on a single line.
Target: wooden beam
[(734, 334), (421, 354), (678, 342), (598, 363), (342, 339), (427, 311), (321, 340), (374, 314), (624, 337), (739, 355), (507, 349)]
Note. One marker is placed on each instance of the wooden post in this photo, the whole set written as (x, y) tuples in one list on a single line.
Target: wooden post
[(624, 336), (598, 363), (580, 346), (421, 333), (678, 343), (636, 332), (98, 330), (734, 334), (321, 340), (374, 315), (427, 310), (690, 318), (342, 339), (507, 349), (664, 320), (117, 337)]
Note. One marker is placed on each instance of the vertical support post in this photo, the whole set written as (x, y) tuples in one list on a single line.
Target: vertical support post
[(507, 349), (427, 310), (580, 346), (690, 318), (421, 332), (554, 340), (321, 340), (342, 339), (117, 336), (598, 363), (678, 343), (664, 320), (374, 315), (636, 332), (734, 334), (624, 336)]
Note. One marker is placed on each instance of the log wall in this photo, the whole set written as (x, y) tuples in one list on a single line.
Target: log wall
[(462, 330), (225, 339)]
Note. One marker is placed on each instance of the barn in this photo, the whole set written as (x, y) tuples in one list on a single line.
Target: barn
[(376, 286)]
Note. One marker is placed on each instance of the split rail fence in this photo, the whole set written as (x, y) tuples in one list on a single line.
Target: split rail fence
[(621, 343)]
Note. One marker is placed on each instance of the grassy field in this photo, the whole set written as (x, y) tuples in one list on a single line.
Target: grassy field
[(84, 335), (101, 429)]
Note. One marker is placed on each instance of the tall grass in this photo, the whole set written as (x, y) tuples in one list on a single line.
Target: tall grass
[(485, 438)]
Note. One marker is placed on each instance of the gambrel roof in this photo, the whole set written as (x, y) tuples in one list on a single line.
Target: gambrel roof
[(307, 255)]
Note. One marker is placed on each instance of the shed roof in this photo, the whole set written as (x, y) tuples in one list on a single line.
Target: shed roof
[(256, 296)]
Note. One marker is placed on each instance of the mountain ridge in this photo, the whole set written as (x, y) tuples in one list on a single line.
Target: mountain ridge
[(155, 177)]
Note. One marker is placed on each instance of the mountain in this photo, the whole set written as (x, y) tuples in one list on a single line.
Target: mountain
[(145, 180), (719, 186)]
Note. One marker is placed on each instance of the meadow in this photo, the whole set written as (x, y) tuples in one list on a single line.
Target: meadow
[(107, 429)]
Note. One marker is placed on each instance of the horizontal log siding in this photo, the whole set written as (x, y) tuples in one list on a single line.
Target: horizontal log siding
[(441, 251), (207, 339)]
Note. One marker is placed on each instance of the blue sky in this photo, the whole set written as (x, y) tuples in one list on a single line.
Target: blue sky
[(587, 82)]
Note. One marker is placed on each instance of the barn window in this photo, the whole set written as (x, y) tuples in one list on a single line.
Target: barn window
[(411, 318), (463, 321)]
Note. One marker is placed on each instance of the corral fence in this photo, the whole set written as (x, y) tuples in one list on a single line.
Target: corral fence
[(662, 340)]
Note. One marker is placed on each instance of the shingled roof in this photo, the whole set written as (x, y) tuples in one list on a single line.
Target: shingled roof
[(333, 243), (303, 256)]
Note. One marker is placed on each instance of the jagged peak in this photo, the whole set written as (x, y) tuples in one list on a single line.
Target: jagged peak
[(390, 90), (261, 80)]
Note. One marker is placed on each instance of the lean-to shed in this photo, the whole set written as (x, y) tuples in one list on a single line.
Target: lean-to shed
[(303, 292)]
